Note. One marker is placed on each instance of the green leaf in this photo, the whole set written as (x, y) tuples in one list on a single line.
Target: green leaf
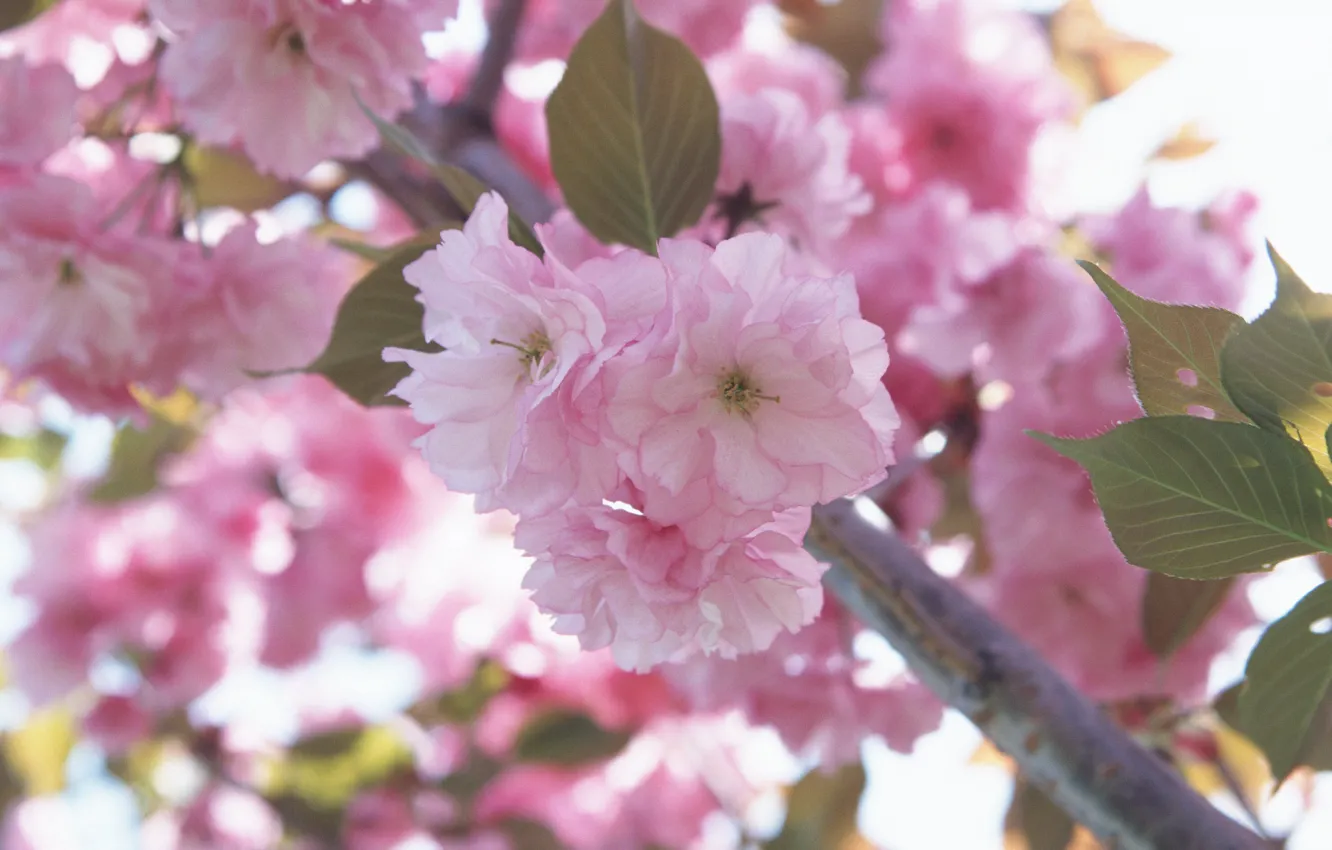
[(567, 738), (136, 456), (1174, 351), (380, 311), (1174, 609), (1287, 679), (371, 253), (16, 13), (1315, 750), (220, 177), (1278, 369), (43, 447), (1200, 499), (821, 810), (462, 185), (634, 131)]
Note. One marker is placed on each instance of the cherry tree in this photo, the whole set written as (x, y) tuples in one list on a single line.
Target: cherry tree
[(622, 383)]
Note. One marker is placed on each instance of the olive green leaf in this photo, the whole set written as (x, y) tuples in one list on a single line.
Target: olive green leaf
[(16, 13), (380, 311), (1200, 499), (1174, 609), (136, 455), (821, 810), (462, 185), (567, 738), (1278, 369), (1174, 351), (1286, 681), (634, 131)]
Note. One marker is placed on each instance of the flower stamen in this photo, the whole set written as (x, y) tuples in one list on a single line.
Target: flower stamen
[(739, 395), (534, 347)]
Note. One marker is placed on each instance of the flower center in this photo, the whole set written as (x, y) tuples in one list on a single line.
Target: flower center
[(288, 36), (69, 274), (532, 351), (739, 394)]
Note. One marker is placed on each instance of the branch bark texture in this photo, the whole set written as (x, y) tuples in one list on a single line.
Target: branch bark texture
[(1087, 764)]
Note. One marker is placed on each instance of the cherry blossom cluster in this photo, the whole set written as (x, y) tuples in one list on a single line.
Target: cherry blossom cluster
[(660, 425)]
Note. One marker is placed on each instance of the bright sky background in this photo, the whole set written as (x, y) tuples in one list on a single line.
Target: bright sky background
[(1257, 76)]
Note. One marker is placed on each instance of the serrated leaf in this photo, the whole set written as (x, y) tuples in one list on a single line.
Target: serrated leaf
[(567, 738), (635, 139), (821, 811), (1200, 499), (1278, 369), (1174, 351), (380, 311), (226, 178), (1286, 681), (1174, 609), (464, 187), (16, 13), (1034, 822), (37, 751), (136, 455)]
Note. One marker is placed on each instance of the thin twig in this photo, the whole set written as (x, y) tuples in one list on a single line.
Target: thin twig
[(1086, 763), (488, 79)]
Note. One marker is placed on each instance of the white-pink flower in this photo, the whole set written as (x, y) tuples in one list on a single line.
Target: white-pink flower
[(281, 77), (793, 164), (767, 385), (36, 111), (85, 306), (258, 307), (617, 578), (512, 339)]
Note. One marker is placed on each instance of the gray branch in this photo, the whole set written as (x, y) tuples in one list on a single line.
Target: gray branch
[(1130, 798), (463, 134)]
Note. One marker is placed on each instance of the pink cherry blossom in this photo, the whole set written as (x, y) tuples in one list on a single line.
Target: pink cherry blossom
[(925, 250), (801, 69), (550, 27), (655, 792), (1169, 254), (85, 304), (63, 31), (36, 111), (1036, 312), (512, 339), (258, 307), (793, 160), (971, 86), (766, 386), (819, 695), (616, 578), (281, 77)]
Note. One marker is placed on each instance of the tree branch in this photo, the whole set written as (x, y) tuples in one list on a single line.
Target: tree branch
[(488, 79), (1086, 763), (461, 133)]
